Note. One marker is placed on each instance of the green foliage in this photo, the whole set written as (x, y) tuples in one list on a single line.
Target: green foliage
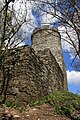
[(12, 104), (64, 103), (9, 103)]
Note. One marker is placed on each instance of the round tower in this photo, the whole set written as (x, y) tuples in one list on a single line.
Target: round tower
[(50, 38)]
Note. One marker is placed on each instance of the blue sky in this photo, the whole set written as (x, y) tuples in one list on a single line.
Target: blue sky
[(72, 75)]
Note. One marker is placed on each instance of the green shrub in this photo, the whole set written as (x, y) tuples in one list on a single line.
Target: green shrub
[(64, 103), (9, 103)]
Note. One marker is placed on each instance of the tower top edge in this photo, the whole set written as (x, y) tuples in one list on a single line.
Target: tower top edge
[(44, 28)]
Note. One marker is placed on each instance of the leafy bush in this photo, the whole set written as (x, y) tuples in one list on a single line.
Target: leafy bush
[(64, 103), (9, 103)]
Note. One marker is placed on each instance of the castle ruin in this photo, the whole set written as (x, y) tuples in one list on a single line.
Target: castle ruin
[(51, 39), (35, 71)]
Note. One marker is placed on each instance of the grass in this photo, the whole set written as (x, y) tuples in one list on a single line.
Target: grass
[(8, 103), (64, 103), (12, 104)]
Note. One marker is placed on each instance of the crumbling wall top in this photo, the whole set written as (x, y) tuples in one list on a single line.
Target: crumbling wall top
[(44, 28)]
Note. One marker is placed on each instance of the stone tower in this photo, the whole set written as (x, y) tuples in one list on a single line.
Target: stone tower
[(51, 39), (34, 72)]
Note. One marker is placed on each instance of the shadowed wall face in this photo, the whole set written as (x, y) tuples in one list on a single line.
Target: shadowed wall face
[(50, 38), (31, 76)]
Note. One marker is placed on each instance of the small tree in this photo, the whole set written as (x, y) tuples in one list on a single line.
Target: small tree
[(10, 24)]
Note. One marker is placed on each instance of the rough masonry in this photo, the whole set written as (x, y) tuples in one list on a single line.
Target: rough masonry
[(50, 38), (32, 72)]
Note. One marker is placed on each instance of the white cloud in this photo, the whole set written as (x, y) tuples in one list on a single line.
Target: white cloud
[(21, 44), (24, 8), (67, 41), (73, 37), (73, 77)]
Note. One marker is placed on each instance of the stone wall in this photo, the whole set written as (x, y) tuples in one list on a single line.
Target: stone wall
[(32, 72), (31, 76), (50, 38)]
